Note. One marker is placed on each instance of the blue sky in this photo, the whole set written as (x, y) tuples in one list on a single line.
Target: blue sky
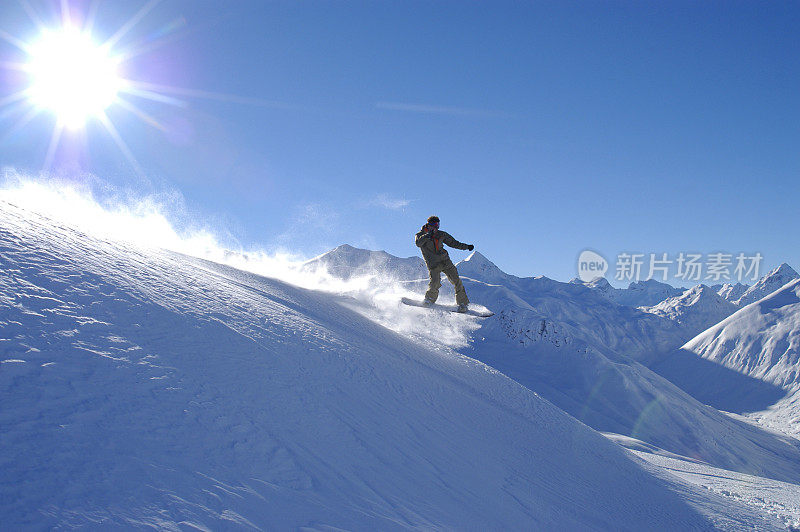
[(532, 129)]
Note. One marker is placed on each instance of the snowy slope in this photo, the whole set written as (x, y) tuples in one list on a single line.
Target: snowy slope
[(761, 340), (741, 362), (539, 346), (771, 498), (695, 310), (768, 284), (144, 388), (575, 348)]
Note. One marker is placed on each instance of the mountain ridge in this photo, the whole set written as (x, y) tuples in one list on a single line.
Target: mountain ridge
[(695, 310), (767, 284)]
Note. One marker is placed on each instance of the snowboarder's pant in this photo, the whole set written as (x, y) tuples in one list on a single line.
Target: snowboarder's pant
[(449, 269)]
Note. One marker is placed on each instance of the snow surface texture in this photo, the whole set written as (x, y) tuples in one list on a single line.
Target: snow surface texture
[(770, 497), (148, 388)]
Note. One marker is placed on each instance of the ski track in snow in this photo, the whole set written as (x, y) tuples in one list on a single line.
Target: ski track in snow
[(150, 389)]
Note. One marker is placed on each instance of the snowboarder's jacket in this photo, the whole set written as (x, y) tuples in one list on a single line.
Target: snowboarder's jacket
[(432, 246)]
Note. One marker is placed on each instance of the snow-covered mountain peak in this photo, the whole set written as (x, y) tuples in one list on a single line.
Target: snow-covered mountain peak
[(648, 292), (477, 266), (779, 276), (761, 340), (599, 283), (346, 262), (731, 291), (638, 294), (772, 281), (751, 317), (346, 253), (788, 295), (694, 310), (479, 260), (785, 271), (699, 293), (649, 284)]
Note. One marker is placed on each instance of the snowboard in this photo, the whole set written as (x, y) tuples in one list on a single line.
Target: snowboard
[(484, 313)]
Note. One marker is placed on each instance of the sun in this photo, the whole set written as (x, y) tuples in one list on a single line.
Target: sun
[(71, 76), (67, 74)]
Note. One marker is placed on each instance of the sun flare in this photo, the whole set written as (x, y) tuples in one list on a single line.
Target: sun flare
[(71, 76), (64, 72)]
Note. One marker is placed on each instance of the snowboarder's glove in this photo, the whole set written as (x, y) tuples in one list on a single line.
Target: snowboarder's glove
[(470, 247)]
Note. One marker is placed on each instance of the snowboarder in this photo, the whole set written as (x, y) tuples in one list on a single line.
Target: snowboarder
[(431, 241)]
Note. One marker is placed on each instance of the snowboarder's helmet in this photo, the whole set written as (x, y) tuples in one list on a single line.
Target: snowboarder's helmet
[(433, 220)]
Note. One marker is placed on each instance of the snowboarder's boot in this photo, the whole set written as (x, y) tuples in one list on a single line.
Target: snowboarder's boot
[(462, 308), (427, 302)]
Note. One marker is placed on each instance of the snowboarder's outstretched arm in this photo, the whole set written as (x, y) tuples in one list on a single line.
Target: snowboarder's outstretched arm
[(453, 243)]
